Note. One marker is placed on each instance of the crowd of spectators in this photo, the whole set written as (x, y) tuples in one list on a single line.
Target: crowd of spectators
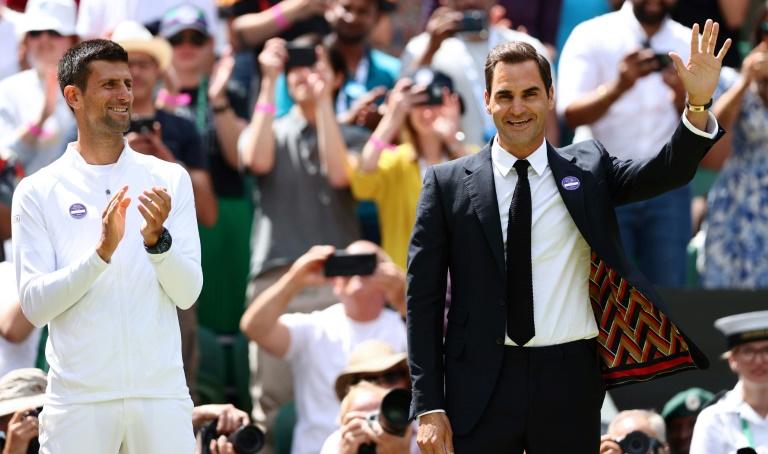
[(306, 127)]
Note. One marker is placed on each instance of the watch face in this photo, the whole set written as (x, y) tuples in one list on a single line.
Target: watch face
[(163, 243)]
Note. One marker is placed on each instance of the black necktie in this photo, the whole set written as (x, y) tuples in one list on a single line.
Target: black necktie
[(520, 326)]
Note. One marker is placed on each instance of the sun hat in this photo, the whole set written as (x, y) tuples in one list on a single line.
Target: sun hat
[(134, 37), (21, 389)]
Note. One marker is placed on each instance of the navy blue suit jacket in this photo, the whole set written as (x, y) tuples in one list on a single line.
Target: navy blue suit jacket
[(458, 232)]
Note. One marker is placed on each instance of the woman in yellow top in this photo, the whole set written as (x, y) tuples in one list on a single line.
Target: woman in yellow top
[(390, 175)]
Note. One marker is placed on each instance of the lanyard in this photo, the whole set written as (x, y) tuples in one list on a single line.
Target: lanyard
[(747, 432), (201, 112)]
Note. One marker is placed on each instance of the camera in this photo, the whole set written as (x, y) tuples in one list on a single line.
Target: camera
[(342, 263), (299, 55), (142, 125), (473, 21), (663, 60), (434, 82), (638, 443), (34, 444), (392, 416), (247, 439)]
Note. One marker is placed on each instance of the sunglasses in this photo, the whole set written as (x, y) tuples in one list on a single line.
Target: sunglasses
[(389, 378), (38, 33), (193, 37)]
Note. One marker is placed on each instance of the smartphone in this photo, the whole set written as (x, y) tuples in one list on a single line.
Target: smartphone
[(342, 263), (142, 125), (473, 20), (663, 60), (300, 55)]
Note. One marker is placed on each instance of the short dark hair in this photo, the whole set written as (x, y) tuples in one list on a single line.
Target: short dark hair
[(516, 52), (74, 66)]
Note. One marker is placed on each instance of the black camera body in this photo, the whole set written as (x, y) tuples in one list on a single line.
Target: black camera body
[(299, 55), (342, 263), (663, 60), (638, 442), (392, 416), (142, 125), (247, 439), (473, 21)]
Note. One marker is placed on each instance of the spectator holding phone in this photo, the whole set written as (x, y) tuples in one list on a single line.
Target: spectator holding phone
[(457, 39), (303, 198), (319, 344), (427, 112), (618, 83)]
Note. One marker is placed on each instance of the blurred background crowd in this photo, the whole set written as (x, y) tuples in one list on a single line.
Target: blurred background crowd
[(306, 126)]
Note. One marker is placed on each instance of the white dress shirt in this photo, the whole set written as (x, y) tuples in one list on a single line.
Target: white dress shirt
[(559, 254), (643, 118), (719, 428), (113, 328)]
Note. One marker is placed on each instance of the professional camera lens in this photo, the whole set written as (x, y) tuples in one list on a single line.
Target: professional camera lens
[(247, 440), (393, 416), (635, 443)]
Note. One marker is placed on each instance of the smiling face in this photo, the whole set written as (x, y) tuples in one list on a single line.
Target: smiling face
[(105, 104), (750, 361), (519, 103)]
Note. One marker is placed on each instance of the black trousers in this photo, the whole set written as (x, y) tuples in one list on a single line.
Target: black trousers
[(547, 401)]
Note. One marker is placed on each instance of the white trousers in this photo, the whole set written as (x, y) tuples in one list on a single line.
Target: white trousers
[(125, 426)]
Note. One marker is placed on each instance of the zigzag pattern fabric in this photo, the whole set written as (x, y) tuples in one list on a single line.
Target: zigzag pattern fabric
[(636, 341)]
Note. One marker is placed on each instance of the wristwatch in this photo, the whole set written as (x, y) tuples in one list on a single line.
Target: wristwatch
[(694, 108), (162, 245)]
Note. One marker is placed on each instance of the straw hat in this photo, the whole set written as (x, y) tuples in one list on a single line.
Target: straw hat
[(369, 357), (134, 37)]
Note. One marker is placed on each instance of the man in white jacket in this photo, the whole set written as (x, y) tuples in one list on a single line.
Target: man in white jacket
[(107, 274)]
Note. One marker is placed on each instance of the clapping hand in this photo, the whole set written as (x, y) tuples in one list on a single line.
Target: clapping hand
[(700, 75)]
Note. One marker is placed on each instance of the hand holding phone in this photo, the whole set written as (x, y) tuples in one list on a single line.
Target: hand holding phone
[(342, 263), (300, 55)]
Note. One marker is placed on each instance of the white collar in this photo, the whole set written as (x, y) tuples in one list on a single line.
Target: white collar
[(734, 402), (628, 15), (77, 159), (504, 161)]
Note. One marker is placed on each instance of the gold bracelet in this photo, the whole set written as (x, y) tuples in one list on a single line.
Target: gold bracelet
[(701, 108)]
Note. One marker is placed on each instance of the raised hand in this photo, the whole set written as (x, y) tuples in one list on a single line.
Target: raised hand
[(308, 268), (272, 58), (222, 72), (700, 75), (113, 224), (321, 77), (155, 207)]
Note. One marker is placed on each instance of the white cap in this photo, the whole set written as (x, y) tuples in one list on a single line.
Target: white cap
[(742, 328), (58, 15), (134, 37)]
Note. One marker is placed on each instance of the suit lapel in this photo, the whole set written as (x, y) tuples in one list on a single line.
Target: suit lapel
[(482, 194), (570, 182)]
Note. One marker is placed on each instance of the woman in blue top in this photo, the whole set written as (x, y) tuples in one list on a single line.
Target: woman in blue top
[(737, 233)]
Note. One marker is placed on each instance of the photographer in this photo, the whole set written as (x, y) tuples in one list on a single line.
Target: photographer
[(318, 344), (358, 433), (227, 420), (635, 432), (22, 392)]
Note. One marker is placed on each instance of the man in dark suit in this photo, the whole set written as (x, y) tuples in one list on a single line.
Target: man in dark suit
[(546, 310)]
